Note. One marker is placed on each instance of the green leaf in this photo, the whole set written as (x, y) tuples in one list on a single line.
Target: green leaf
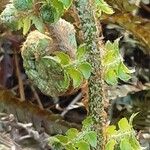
[(67, 3), (103, 6), (64, 58), (111, 77), (72, 133), (124, 124), (116, 44), (20, 24), (91, 138), (55, 143), (66, 82), (125, 145), (111, 56), (81, 51), (70, 147), (111, 130), (53, 140), (82, 145), (86, 69), (110, 144), (110, 59), (38, 22), (59, 6), (62, 138), (124, 76), (51, 58), (125, 69), (26, 25), (76, 76), (134, 143), (87, 123), (109, 46), (123, 72)]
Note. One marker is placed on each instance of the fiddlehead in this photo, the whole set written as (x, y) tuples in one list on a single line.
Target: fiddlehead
[(45, 72), (48, 13), (41, 67)]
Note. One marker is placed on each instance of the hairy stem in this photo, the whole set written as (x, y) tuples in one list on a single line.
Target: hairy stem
[(91, 34)]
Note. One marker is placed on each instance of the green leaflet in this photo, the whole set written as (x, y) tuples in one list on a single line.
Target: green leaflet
[(64, 58), (82, 145), (62, 138), (124, 72), (124, 138), (111, 144), (125, 144), (114, 67), (76, 140), (91, 138), (26, 25), (76, 76), (70, 147), (86, 69), (81, 52), (104, 7), (124, 124), (67, 3), (87, 123), (134, 143), (111, 77), (59, 6), (111, 130), (38, 22), (72, 133)]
